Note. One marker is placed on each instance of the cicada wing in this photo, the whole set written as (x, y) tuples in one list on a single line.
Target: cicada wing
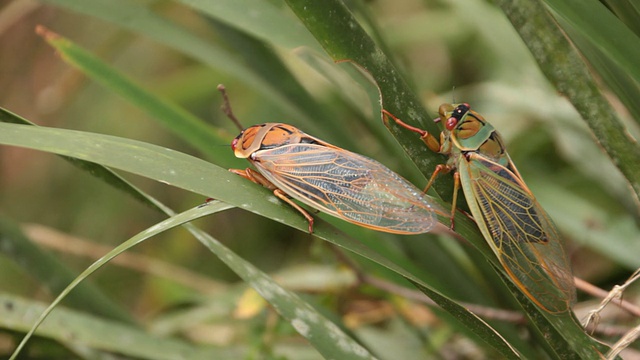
[(349, 186), (520, 232)]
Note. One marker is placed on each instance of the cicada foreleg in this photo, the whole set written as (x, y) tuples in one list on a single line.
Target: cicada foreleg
[(432, 143), (259, 179), (255, 177)]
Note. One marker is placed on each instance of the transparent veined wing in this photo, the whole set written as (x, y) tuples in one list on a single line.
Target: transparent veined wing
[(347, 185), (523, 236)]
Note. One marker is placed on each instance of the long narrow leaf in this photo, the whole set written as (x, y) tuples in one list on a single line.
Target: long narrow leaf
[(175, 118), (53, 274), (607, 44), (321, 333), (201, 177), (264, 21), (344, 39), (561, 64), (97, 333), (141, 19), (177, 220), (602, 29)]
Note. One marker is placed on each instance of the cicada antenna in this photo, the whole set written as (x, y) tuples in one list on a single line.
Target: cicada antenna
[(226, 107)]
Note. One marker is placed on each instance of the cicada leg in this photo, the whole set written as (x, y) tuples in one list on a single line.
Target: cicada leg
[(284, 197), (456, 190), (206, 202), (259, 179), (255, 177), (443, 169), (432, 143)]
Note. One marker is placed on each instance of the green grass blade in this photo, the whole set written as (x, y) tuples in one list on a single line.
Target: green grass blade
[(177, 220), (263, 21), (628, 11), (155, 162), (606, 42), (616, 78), (327, 21), (604, 30), (561, 64), (267, 64), (94, 169), (97, 333), (198, 176), (142, 20), (331, 341), (398, 99), (52, 273), (181, 122), (328, 339)]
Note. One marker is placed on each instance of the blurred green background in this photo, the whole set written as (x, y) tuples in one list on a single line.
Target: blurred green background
[(448, 51)]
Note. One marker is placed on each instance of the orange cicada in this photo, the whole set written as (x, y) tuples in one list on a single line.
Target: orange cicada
[(344, 184)]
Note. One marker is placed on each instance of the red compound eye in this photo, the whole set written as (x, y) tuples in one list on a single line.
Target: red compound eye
[(451, 123), (234, 143)]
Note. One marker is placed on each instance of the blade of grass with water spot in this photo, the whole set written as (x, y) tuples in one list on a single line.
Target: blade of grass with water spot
[(198, 176), (344, 39), (97, 333)]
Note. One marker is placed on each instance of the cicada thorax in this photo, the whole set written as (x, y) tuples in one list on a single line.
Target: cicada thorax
[(270, 136)]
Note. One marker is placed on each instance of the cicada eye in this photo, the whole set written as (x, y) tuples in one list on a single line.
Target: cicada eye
[(460, 110), (451, 123), (234, 143)]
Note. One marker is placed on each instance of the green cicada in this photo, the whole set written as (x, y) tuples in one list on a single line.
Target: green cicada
[(519, 231)]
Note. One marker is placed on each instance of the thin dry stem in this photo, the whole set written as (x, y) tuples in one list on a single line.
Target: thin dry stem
[(485, 311), (623, 343), (226, 107), (73, 245), (608, 297)]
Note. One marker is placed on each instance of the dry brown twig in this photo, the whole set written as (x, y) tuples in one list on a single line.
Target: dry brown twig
[(614, 294), (486, 311), (623, 343), (226, 107)]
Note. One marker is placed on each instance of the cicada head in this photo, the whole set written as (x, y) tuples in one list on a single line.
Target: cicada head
[(452, 115), (263, 137), (445, 111), (467, 129)]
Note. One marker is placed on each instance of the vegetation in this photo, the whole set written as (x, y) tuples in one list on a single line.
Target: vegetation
[(125, 91)]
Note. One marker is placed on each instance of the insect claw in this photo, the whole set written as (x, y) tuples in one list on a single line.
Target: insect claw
[(310, 225), (206, 202)]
